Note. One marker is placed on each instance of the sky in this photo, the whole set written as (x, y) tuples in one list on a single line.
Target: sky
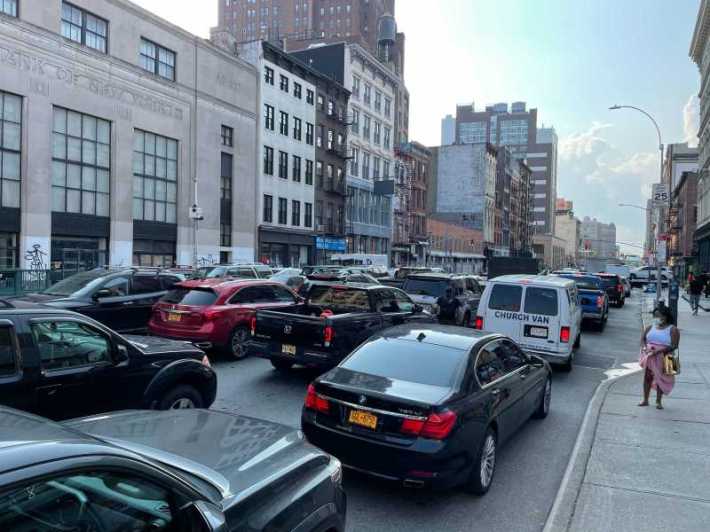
[(570, 59)]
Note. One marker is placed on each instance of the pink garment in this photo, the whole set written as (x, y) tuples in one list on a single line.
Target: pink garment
[(652, 361)]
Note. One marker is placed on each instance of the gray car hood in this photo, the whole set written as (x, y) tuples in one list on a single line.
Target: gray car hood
[(238, 455)]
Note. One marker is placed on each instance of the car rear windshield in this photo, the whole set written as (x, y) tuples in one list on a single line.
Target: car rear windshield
[(541, 301), (608, 282), (409, 361), (586, 283), (197, 297), (426, 287), (506, 297), (339, 298)]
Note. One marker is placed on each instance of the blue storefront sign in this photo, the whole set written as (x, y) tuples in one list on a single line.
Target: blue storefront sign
[(330, 244)]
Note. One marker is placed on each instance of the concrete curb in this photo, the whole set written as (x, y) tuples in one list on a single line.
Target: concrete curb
[(562, 512), (560, 517)]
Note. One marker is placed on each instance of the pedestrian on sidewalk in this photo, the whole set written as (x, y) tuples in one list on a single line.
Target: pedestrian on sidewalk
[(658, 340), (695, 290)]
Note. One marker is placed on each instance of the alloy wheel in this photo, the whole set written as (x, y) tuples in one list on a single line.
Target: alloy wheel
[(238, 340), (488, 460), (182, 403)]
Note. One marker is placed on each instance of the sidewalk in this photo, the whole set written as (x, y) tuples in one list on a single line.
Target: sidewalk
[(637, 469)]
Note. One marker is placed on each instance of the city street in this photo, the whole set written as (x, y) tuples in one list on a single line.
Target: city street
[(529, 469)]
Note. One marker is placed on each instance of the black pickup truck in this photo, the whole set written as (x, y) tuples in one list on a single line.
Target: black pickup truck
[(333, 320)]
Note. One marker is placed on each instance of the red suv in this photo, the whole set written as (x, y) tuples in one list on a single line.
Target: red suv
[(216, 313)]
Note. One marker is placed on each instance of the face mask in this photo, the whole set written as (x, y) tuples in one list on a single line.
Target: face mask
[(658, 322)]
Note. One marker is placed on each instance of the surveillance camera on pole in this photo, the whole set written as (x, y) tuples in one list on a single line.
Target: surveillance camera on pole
[(196, 213)]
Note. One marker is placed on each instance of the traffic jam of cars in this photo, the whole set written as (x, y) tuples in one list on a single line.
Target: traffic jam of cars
[(419, 376)]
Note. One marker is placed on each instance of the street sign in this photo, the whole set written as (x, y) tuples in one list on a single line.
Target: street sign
[(661, 197), (661, 251)]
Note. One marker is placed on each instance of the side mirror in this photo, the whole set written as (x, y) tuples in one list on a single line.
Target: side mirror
[(99, 294), (201, 516), (417, 309), (120, 354)]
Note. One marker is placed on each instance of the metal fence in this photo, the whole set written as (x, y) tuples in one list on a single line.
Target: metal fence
[(19, 282)]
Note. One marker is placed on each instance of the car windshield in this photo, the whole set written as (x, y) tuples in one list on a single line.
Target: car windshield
[(196, 297), (339, 298), (409, 361), (425, 287), (78, 284)]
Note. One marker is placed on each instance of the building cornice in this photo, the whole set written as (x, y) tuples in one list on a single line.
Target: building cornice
[(700, 34)]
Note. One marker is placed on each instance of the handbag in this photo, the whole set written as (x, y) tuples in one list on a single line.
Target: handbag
[(671, 363)]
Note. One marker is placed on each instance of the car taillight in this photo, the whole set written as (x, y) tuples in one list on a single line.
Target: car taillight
[(619, 288), (252, 325), (564, 335), (315, 401), (328, 335), (211, 314), (600, 302), (478, 324), (206, 361), (436, 426)]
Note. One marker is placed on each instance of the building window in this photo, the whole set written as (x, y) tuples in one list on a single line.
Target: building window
[(309, 96), (283, 123), (283, 165), (8, 7), (10, 148), (81, 162), (321, 102), (77, 25), (385, 169), (225, 234), (269, 75), (366, 127), (283, 83), (366, 165), (269, 116), (227, 136), (329, 176), (296, 174), (158, 60), (154, 177), (367, 94), (388, 107), (295, 213), (331, 107), (355, 124), (226, 177), (375, 167), (268, 160), (319, 174), (378, 100), (319, 136), (354, 162), (319, 215), (268, 213), (309, 133), (356, 87), (308, 219), (388, 134), (331, 139), (297, 128), (283, 211), (309, 172), (297, 90), (377, 133)]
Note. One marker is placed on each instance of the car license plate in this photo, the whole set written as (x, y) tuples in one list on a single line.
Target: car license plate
[(364, 419), (538, 332), (172, 316), (288, 349)]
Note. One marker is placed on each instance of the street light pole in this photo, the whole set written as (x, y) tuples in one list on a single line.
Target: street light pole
[(659, 284)]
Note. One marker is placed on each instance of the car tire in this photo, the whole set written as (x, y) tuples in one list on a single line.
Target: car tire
[(182, 396), (566, 366), (601, 324), (545, 397), (236, 347), (484, 464), (578, 341), (281, 365)]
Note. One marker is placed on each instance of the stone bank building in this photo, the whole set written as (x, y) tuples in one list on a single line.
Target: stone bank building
[(111, 121)]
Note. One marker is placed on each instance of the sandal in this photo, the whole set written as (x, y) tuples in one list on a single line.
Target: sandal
[(643, 403)]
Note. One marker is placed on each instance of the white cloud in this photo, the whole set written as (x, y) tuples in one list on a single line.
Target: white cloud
[(691, 120), (578, 145)]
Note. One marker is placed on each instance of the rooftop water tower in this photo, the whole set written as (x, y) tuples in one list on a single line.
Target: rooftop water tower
[(386, 37)]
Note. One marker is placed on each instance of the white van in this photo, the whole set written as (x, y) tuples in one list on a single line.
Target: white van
[(540, 313)]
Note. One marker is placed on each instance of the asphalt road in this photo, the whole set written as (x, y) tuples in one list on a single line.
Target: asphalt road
[(529, 469)]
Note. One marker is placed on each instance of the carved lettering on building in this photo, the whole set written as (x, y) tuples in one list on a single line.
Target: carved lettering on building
[(36, 65)]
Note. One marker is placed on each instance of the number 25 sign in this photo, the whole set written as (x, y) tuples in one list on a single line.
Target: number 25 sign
[(660, 194)]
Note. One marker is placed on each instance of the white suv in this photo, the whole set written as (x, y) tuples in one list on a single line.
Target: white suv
[(647, 274)]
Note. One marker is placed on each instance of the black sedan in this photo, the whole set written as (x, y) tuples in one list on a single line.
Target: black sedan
[(427, 405), (174, 471)]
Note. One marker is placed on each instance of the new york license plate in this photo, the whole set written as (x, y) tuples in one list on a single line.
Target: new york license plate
[(172, 316), (538, 332), (288, 349), (364, 419)]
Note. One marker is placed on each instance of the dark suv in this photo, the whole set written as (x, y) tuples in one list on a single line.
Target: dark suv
[(614, 287), (120, 299), (459, 293), (174, 471), (61, 364)]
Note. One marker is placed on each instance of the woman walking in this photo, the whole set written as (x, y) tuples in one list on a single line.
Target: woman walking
[(658, 340)]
